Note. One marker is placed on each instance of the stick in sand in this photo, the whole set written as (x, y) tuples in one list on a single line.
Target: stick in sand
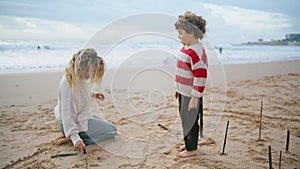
[(261, 107), (201, 124), (225, 138), (280, 154), (201, 117), (63, 155), (270, 158), (287, 141), (85, 158)]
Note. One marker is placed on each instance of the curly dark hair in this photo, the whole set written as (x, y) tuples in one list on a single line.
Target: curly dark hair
[(190, 22)]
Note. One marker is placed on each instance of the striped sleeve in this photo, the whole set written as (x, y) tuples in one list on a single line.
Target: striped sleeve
[(198, 69)]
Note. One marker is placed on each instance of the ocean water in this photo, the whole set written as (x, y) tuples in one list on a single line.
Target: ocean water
[(32, 55)]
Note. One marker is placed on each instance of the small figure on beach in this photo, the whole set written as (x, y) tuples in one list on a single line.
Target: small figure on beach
[(73, 112), (47, 47), (191, 74), (220, 50)]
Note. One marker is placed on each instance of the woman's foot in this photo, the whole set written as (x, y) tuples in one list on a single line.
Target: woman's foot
[(186, 153), (61, 140)]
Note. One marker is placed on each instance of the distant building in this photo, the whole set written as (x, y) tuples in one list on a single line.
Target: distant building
[(292, 37), (290, 40)]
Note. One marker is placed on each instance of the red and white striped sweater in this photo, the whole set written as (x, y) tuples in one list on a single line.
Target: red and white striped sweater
[(191, 70)]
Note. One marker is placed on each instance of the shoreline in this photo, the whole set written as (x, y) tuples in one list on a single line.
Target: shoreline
[(14, 71)]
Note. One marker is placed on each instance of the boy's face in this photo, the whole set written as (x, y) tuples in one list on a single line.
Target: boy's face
[(185, 38)]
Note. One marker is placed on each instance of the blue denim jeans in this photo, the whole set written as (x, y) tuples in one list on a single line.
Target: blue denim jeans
[(98, 130)]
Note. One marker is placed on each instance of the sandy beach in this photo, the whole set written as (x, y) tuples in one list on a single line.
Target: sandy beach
[(141, 104)]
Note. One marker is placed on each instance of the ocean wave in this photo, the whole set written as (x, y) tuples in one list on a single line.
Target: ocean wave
[(25, 55)]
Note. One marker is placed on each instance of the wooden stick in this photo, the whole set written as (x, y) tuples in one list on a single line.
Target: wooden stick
[(63, 155), (280, 154), (287, 141), (85, 157), (201, 124), (166, 128), (225, 138), (270, 158), (201, 117), (261, 107), (162, 126)]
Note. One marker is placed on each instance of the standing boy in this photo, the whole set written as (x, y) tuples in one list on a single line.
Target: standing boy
[(191, 74)]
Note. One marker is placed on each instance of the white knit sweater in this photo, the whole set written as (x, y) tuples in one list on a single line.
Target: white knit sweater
[(73, 109)]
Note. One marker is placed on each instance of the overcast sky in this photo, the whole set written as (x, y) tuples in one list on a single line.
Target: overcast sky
[(229, 21)]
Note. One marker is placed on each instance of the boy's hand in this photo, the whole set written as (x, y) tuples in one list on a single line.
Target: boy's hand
[(176, 95), (193, 103)]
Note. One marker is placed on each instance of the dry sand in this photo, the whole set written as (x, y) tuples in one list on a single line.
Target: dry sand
[(140, 103)]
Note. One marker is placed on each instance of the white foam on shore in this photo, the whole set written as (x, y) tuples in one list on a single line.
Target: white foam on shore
[(24, 56)]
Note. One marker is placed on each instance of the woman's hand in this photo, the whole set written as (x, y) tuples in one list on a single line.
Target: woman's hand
[(193, 103), (80, 145), (99, 96)]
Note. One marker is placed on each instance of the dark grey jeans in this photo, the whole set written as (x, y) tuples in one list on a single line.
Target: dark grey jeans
[(190, 121)]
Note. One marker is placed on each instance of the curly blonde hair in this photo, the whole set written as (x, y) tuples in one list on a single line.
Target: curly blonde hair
[(84, 65), (190, 22)]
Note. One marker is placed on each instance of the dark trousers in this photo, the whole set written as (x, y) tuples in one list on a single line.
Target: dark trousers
[(190, 121)]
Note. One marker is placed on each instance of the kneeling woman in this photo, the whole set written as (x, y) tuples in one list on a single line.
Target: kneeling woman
[(73, 111)]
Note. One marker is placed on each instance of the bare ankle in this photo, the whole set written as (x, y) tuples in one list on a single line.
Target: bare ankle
[(186, 153)]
